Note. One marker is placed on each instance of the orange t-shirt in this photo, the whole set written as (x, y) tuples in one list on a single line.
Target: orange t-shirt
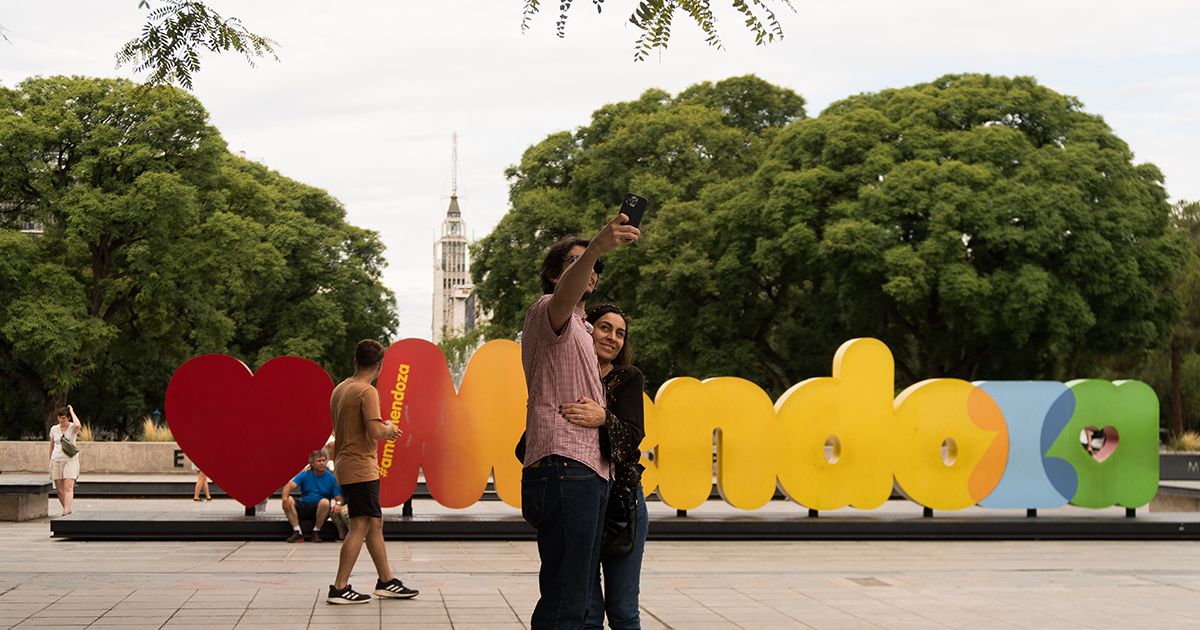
[(354, 404)]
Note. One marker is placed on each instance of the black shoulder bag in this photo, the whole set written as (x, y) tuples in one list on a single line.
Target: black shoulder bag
[(620, 523)]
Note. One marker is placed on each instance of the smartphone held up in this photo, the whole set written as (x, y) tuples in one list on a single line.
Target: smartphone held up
[(634, 207)]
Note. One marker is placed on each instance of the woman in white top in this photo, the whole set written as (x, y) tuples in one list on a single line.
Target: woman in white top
[(64, 470)]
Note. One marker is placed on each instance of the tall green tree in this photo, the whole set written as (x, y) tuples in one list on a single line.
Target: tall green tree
[(670, 149), (1185, 339), (158, 244), (458, 349), (982, 226)]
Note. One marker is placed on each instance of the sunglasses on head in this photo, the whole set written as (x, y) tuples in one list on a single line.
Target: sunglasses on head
[(598, 267), (596, 312)]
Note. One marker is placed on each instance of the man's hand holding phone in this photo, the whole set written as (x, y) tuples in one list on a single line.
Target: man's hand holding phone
[(622, 230), (615, 234)]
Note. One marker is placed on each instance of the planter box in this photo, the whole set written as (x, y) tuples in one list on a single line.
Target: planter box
[(98, 457), (1179, 466)]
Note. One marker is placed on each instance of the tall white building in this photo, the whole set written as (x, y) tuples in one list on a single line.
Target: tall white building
[(453, 299)]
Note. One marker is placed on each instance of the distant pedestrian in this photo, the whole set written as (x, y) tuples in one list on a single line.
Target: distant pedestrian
[(201, 484), (357, 428), (64, 456)]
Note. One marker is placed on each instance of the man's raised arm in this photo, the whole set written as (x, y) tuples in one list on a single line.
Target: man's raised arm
[(574, 281)]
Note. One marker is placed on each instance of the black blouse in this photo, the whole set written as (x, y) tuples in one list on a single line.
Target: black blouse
[(626, 424)]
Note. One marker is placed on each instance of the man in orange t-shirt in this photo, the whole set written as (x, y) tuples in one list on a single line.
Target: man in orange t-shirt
[(357, 428)]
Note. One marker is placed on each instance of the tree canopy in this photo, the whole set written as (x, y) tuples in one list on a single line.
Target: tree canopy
[(654, 18), (981, 226), (169, 46), (178, 32), (158, 244)]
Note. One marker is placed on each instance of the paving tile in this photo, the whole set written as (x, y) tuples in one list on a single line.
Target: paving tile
[(54, 621), (116, 622)]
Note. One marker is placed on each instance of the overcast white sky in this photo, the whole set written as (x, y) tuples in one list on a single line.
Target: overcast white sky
[(366, 94)]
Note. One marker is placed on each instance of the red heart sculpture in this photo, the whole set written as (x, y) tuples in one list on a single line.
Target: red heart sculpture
[(250, 433)]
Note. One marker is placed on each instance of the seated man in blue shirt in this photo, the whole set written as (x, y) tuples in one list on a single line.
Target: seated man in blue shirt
[(320, 496)]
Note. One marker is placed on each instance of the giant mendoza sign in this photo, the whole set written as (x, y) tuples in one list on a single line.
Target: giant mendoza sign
[(827, 443)]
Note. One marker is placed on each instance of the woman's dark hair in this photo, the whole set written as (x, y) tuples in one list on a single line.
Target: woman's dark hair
[(553, 262), (62, 412), (625, 356), (368, 353)]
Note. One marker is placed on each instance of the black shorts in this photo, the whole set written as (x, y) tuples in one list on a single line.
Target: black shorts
[(307, 511), (362, 499)]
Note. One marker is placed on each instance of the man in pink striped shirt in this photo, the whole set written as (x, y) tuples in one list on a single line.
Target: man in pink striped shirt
[(565, 482)]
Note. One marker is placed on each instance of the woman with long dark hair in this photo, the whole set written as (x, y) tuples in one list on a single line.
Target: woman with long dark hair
[(627, 522)]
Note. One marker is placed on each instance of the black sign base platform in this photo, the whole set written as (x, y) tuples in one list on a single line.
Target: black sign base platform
[(780, 520)]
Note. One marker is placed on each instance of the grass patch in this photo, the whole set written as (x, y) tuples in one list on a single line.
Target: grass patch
[(153, 433), (1189, 441)]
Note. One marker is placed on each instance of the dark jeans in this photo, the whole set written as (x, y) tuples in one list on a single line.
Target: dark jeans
[(564, 500), (622, 582)]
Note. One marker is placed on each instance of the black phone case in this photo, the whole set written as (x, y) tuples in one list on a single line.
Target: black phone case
[(634, 207)]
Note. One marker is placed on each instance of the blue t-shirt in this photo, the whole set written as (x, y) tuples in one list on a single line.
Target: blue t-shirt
[(314, 487)]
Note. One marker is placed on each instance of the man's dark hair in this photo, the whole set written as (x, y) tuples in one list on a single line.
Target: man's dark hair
[(62, 412), (553, 262), (368, 353)]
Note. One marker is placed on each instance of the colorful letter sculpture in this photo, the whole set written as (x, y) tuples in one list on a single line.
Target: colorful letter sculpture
[(828, 442), (250, 433), (1036, 413), (1126, 476), (687, 413), (834, 433), (458, 440), (951, 443)]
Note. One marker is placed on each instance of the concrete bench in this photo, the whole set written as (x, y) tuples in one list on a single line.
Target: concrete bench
[(24, 497)]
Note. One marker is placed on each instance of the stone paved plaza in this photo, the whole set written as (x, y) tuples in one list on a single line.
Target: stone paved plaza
[(48, 583)]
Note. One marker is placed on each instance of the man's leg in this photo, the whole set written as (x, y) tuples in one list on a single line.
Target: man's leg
[(339, 521), (321, 513), (351, 547), (597, 521), (387, 586), (595, 612), (378, 550), (571, 499), (292, 511), (289, 510)]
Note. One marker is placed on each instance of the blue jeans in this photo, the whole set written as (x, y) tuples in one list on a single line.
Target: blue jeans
[(622, 581), (564, 501)]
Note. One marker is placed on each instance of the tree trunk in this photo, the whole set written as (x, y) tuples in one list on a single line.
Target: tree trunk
[(1176, 389), (50, 405)]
